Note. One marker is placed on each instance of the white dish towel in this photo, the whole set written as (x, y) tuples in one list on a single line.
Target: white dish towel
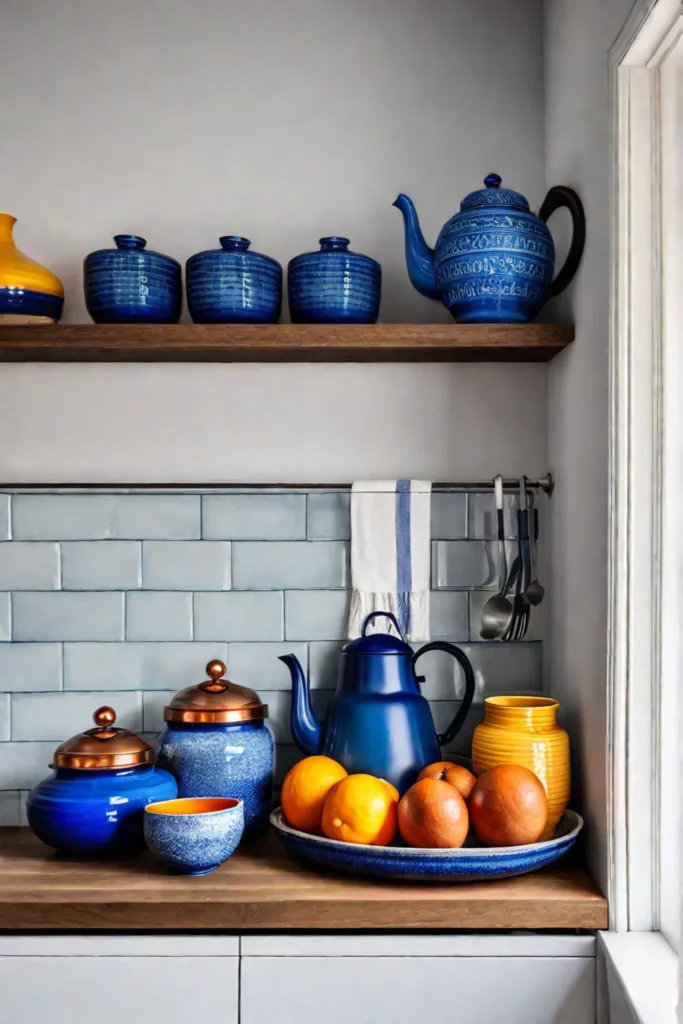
[(390, 564)]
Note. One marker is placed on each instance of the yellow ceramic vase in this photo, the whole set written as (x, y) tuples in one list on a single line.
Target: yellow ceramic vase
[(523, 730), (28, 291)]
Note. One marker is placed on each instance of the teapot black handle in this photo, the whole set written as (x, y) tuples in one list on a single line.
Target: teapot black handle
[(386, 615), (466, 703), (557, 197)]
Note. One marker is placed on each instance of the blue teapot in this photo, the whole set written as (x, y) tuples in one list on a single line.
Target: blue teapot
[(378, 722), (494, 260)]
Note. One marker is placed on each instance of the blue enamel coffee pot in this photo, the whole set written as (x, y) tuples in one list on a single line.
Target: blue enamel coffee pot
[(378, 721)]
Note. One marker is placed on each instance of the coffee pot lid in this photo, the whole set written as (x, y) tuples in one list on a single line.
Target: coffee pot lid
[(379, 643), (104, 746), (215, 700), (494, 195)]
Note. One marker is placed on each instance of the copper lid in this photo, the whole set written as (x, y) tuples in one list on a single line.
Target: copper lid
[(216, 700), (104, 746)]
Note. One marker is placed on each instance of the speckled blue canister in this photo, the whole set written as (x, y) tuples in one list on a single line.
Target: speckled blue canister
[(194, 836), (233, 285), (132, 285), (216, 744), (334, 285)]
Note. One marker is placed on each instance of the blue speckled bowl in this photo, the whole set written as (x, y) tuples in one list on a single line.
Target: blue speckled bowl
[(194, 835), (468, 864)]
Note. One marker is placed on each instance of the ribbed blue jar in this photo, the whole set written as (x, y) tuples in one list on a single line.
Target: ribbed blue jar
[(334, 285), (233, 285), (132, 285)]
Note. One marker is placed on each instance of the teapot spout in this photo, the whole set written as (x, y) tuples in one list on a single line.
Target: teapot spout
[(306, 729), (419, 257)]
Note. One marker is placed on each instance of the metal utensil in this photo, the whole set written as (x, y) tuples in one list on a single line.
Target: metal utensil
[(520, 619), (535, 592), (497, 613)]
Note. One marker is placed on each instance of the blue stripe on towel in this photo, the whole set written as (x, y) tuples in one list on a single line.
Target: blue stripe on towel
[(404, 566)]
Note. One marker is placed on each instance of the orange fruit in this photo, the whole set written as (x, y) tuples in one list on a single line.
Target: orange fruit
[(508, 806), (454, 774), (392, 789), (360, 809), (304, 790), (433, 814)]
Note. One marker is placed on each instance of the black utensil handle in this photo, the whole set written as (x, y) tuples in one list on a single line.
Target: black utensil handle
[(557, 197), (466, 703), (386, 615)]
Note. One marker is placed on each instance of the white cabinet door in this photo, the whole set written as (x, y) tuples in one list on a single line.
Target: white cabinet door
[(118, 989), (418, 990)]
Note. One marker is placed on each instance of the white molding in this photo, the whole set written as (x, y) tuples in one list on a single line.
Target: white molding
[(644, 969)]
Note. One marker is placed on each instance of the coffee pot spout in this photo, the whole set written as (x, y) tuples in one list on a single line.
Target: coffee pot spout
[(306, 729), (419, 257)]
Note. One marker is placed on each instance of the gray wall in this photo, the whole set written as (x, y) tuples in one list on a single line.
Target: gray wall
[(282, 121), (578, 132)]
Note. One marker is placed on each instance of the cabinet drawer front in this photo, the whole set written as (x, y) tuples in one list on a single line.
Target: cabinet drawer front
[(414, 990), (115, 990)]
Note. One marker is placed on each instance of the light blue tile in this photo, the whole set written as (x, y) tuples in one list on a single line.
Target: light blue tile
[(157, 516), (67, 616), (5, 517), (280, 565), (30, 667), (279, 711), (464, 564), (316, 615), (23, 819), (498, 669), (254, 517), (145, 666), (25, 565), (186, 565), (449, 615), (443, 713), (153, 704), (4, 717), (449, 516), (483, 523), (323, 661), (5, 618), (286, 756), (57, 716), (101, 565), (10, 808), (23, 765), (158, 616), (329, 515), (238, 616), (62, 516), (257, 665)]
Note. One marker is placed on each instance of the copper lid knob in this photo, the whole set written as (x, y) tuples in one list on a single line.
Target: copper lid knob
[(215, 700)]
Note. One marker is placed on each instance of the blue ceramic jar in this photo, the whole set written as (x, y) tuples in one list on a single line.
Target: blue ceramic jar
[(132, 285), (334, 285), (93, 803), (216, 744), (233, 285)]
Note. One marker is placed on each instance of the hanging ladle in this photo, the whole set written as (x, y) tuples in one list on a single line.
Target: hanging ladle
[(496, 615)]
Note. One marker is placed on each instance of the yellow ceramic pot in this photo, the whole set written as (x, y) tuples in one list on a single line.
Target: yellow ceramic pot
[(27, 289), (523, 730)]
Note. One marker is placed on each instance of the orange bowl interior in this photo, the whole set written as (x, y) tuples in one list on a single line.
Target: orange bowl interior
[(192, 805)]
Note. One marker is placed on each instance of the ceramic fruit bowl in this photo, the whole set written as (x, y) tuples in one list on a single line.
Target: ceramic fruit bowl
[(468, 864), (194, 835)]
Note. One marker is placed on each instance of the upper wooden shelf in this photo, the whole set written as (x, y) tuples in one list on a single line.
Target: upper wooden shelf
[(296, 343)]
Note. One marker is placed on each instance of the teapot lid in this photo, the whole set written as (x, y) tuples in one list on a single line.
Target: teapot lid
[(494, 195), (379, 643), (104, 746), (215, 700)]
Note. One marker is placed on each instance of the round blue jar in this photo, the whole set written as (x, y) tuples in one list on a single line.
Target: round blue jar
[(93, 802), (216, 744), (233, 285), (132, 285), (334, 285)]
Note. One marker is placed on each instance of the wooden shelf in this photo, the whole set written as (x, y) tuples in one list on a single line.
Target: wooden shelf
[(260, 887), (237, 343)]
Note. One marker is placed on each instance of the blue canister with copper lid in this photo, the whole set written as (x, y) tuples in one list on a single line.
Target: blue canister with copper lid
[(132, 285)]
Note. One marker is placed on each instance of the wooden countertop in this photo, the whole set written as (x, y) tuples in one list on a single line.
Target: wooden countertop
[(260, 887)]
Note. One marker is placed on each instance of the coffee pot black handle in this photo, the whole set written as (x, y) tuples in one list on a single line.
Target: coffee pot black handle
[(557, 197), (466, 703)]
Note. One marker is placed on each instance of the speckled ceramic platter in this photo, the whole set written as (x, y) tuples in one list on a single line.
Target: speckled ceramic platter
[(468, 864)]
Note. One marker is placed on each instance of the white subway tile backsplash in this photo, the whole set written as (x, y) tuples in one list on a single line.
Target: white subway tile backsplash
[(91, 615), (239, 616), (10, 808), (30, 667), (27, 565), (254, 516), (186, 565), (158, 615), (329, 515), (57, 716), (145, 666), (157, 516), (5, 517), (323, 661), (449, 615), (279, 711), (464, 564), (101, 565), (23, 765), (498, 669), (295, 565), (449, 516), (316, 615), (23, 820), (4, 719), (257, 665), (62, 516), (153, 704), (5, 617)]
